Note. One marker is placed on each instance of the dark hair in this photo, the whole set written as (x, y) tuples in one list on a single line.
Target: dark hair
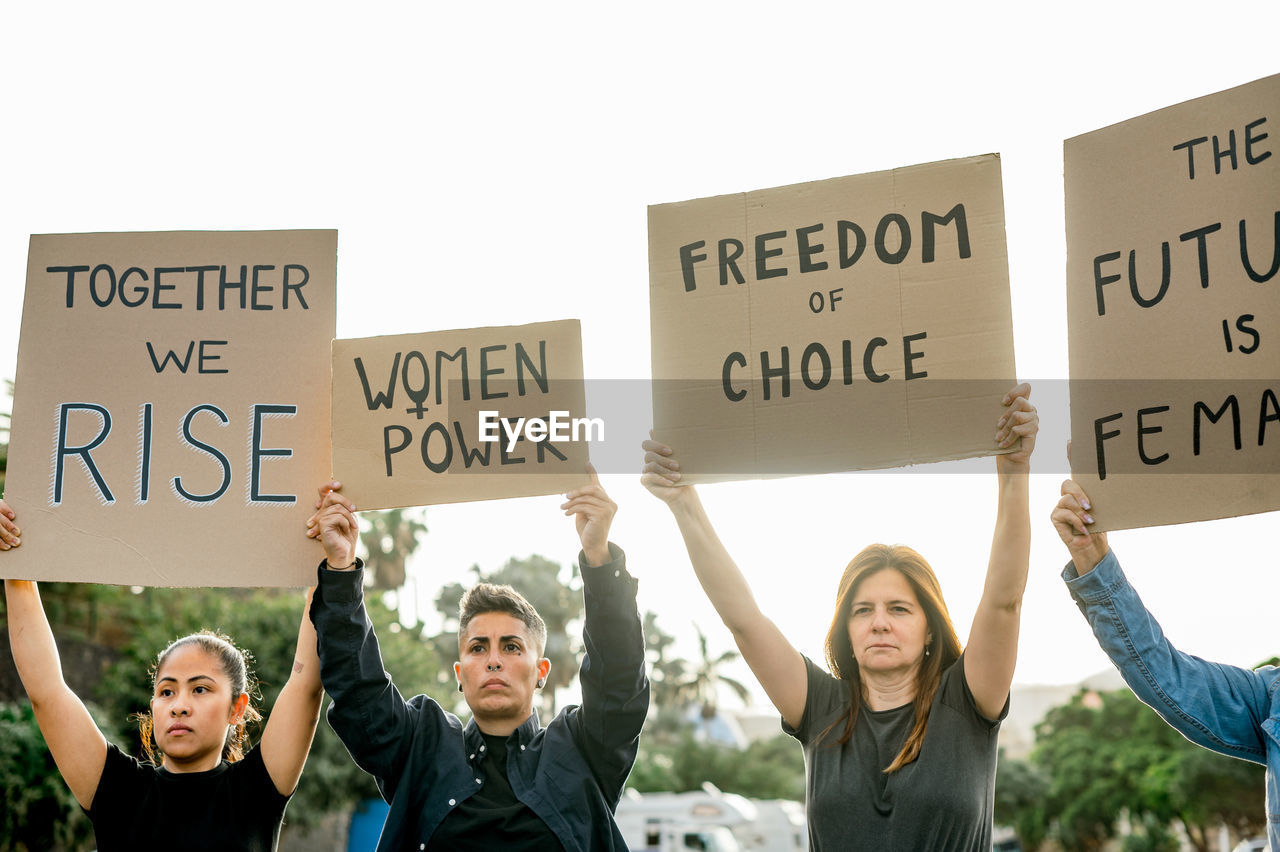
[(487, 597), (944, 645), (235, 663)]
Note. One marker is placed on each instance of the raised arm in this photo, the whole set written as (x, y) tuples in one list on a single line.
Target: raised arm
[(287, 738), (615, 688), (773, 659), (1214, 705), (77, 745), (992, 652), (368, 713)]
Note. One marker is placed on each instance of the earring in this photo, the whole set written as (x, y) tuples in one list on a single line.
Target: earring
[(459, 686), (541, 683), (926, 652)]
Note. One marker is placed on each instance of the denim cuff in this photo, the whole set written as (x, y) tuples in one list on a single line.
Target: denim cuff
[(1097, 585)]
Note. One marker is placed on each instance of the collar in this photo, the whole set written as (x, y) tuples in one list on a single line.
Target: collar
[(474, 738)]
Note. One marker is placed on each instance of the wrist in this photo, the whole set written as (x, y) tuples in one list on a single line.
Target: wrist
[(1086, 560), (342, 564)]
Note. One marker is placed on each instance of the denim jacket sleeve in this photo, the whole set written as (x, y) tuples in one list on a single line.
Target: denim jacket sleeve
[(615, 688), (367, 713), (1216, 706)]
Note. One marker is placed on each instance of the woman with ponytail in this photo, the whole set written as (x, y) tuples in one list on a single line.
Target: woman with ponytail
[(900, 736), (204, 787)]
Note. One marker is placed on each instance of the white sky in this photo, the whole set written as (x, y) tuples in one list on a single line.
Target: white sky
[(491, 164)]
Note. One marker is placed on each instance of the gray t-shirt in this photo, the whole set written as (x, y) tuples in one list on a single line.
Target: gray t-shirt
[(943, 800)]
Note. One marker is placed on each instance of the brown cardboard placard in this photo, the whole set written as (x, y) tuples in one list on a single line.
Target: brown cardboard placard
[(171, 407), (1173, 248), (853, 323), (407, 413)]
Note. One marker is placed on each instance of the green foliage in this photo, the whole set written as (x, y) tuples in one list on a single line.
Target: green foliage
[(1021, 788), (1107, 755), (37, 810), (771, 768)]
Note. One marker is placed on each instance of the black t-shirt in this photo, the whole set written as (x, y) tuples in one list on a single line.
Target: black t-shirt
[(493, 818), (233, 807)]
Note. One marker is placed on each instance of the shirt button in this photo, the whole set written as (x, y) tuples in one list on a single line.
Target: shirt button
[(452, 802), (422, 846), (617, 572), (471, 757), (522, 748), (481, 748), (477, 780)]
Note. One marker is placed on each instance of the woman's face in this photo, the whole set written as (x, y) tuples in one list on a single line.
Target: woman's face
[(887, 624), (191, 709)]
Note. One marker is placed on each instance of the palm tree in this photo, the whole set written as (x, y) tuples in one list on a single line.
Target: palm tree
[(703, 686), (389, 539)]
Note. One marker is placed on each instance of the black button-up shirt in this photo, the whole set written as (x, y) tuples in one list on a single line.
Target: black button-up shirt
[(570, 773)]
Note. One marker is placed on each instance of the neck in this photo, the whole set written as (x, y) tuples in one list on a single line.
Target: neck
[(500, 727), (887, 690), (202, 763)]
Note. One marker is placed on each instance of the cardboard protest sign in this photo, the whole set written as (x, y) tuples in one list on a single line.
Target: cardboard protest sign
[(1173, 245), (852, 323), (453, 416), (171, 407)]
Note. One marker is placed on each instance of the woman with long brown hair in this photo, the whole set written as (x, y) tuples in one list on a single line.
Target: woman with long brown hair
[(900, 737)]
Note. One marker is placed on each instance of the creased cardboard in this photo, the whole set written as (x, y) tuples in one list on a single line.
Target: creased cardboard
[(853, 323), (171, 407), (407, 415), (1173, 246)]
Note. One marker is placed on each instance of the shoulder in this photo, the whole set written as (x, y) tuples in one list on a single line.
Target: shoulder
[(123, 768), (827, 698), (953, 692)]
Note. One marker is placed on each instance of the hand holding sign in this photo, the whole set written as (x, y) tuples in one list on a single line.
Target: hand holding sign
[(10, 534), (1072, 520), (661, 472), (334, 524), (593, 513), (1019, 423)]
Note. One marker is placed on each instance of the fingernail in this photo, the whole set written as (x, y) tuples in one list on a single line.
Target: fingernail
[(1088, 519), (1086, 504)]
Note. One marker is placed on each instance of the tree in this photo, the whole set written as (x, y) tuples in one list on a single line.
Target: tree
[(37, 810), (1107, 755), (667, 675), (771, 768), (558, 600), (389, 539), (1021, 788), (702, 687)]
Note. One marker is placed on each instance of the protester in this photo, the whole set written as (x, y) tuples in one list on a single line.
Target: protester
[(502, 781), (900, 738), (202, 789), (1233, 711)]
